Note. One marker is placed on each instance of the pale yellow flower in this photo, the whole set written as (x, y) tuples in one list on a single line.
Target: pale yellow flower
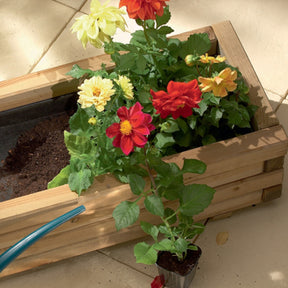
[(220, 84), (210, 59), (126, 86), (95, 91), (100, 25)]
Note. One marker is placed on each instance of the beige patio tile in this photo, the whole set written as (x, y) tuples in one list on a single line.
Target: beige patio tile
[(274, 99), (26, 32), (282, 114), (66, 49), (87, 271), (124, 254), (76, 4)]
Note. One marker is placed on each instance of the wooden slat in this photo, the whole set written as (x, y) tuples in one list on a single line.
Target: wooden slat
[(87, 245), (236, 55), (95, 226)]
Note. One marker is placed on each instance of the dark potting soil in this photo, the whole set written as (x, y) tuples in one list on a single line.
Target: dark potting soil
[(40, 152), (38, 156), (171, 263)]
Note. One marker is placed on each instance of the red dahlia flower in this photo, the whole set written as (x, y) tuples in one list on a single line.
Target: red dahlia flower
[(133, 129), (179, 99), (144, 9)]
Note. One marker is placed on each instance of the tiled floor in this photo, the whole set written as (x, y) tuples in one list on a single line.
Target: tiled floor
[(35, 35)]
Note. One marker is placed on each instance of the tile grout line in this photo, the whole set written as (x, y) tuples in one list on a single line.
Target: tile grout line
[(125, 264), (56, 37), (281, 101)]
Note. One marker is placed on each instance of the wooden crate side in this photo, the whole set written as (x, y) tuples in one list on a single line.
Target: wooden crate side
[(35, 260), (54, 82), (232, 48), (91, 225), (102, 232), (252, 148)]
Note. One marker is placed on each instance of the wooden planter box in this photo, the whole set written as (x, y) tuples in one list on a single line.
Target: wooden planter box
[(245, 170)]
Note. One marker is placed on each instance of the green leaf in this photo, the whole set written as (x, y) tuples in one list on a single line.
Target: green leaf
[(196, 44), (164, 19), (170, 126), (127, 61), (138, 37), (183, 139), (61, 178), (164, 140), (159, 165), (154, 205), (80, 180), (195, 198), (125, 214), (193, 166), (145, 253), (150, 229), (164, 245), (137, 183), (216, 114), (202, 108), (192, 121), (141, 65), (77, 72), (173, 190), (165, 30), (210, 98), (208, 139), (181, 245), (183, 125), (79, 125), (79, 146)]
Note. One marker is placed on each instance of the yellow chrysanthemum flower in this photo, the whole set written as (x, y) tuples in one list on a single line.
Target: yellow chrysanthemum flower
[(126, 86), (95, 91), (220, 84), (100, 25), (210, 59)]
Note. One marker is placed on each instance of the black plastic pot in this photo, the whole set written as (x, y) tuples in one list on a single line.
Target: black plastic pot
[(174, 279)]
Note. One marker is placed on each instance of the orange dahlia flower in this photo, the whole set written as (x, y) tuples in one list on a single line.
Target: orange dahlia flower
[(179, 99), (133, 129), (144, 9), (220, 84)]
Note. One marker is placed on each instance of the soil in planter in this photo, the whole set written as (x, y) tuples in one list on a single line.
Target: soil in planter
[(39, 154), (171, 263)]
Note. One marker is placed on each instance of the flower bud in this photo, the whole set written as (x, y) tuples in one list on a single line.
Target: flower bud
[(190, 60), (92, 121)]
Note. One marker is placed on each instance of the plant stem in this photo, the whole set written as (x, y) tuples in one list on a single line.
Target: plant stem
[(161, 72), (150, 173)]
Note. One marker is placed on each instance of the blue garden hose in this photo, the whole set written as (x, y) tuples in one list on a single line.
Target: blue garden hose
[(14, 251)]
